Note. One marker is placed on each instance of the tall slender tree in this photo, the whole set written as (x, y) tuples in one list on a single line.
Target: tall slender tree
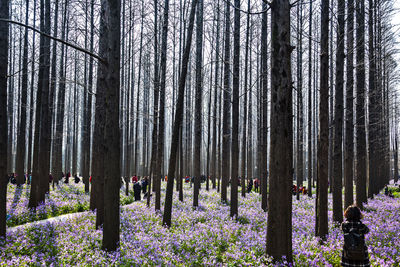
[(349, 127), (111, 131), (161, 119), (373, 111), (323, 140), (310, 107), (53, 82), (216, 89), (337, 168), (279, 228), (41, 155), (226, 131), (300, 119), (235, 112), (21, 144), (198, 104), (264, 110), (361, 168), (178, 119), (99, 125), (155, 106), (4, 33), (244, 131), (59, 133)]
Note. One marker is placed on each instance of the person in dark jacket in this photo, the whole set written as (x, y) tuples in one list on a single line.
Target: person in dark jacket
[(145, 182), (66, 181), (76, 179), (250, 185), (353, 222), (256, 184), (137, 190)]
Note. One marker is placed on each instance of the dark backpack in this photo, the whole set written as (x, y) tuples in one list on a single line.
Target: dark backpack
[(354, 245)]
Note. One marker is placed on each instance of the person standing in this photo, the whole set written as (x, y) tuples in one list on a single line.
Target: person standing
[(355, 251)]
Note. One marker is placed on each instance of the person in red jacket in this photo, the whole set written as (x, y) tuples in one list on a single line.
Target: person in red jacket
[(134, 179)]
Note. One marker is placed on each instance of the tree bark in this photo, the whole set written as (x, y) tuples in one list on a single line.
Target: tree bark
[(216, 78), (300, 146), (323, 140), (4, 34), (21, 144), (235, 112), (178, 121), (263, 172), (279, 228), (361, 168), (198, 104), (373, 111), (112, 172), (337, 195), (244, 133), (153, 175), (98, 135), (226, 124), (41, 155), (349, 127), (310, 107)]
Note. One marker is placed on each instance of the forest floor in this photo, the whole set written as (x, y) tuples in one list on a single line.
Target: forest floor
[(65, 199), (203, 236)]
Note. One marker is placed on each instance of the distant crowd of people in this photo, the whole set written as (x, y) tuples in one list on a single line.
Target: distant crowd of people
[(300, 190), (139, 186)]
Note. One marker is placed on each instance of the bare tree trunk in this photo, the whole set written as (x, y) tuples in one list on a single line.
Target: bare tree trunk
[(112, 172), (153, 174), (337, 167), (310, 107), (396, 156), (87, 127), (180, 165), (198, 104), (323, 140), (361, 169), (216, 89), (41, 153), (279, 228), (58, 135), (244, 133), (32, 93), (300, 161), (226, 131), (53, 81), (349, 127), (21, 144), (373, 111), (235, 112), (4, 34), (99, 125), (250, 114), (263, 172), (178, 121), (136, 151), (161, 119), (155, 108)]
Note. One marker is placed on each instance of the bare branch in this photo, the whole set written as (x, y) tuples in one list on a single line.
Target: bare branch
[(102, 60)]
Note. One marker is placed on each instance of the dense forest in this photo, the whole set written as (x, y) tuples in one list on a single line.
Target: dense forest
[(221, 93)]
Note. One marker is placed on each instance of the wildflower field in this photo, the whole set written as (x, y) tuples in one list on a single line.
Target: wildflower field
[(205, 236)]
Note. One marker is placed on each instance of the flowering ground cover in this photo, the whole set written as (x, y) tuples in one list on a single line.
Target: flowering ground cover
[(66, 198), (202, 236)]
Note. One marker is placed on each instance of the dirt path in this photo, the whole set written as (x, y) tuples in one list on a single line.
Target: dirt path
[(54, 220)]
